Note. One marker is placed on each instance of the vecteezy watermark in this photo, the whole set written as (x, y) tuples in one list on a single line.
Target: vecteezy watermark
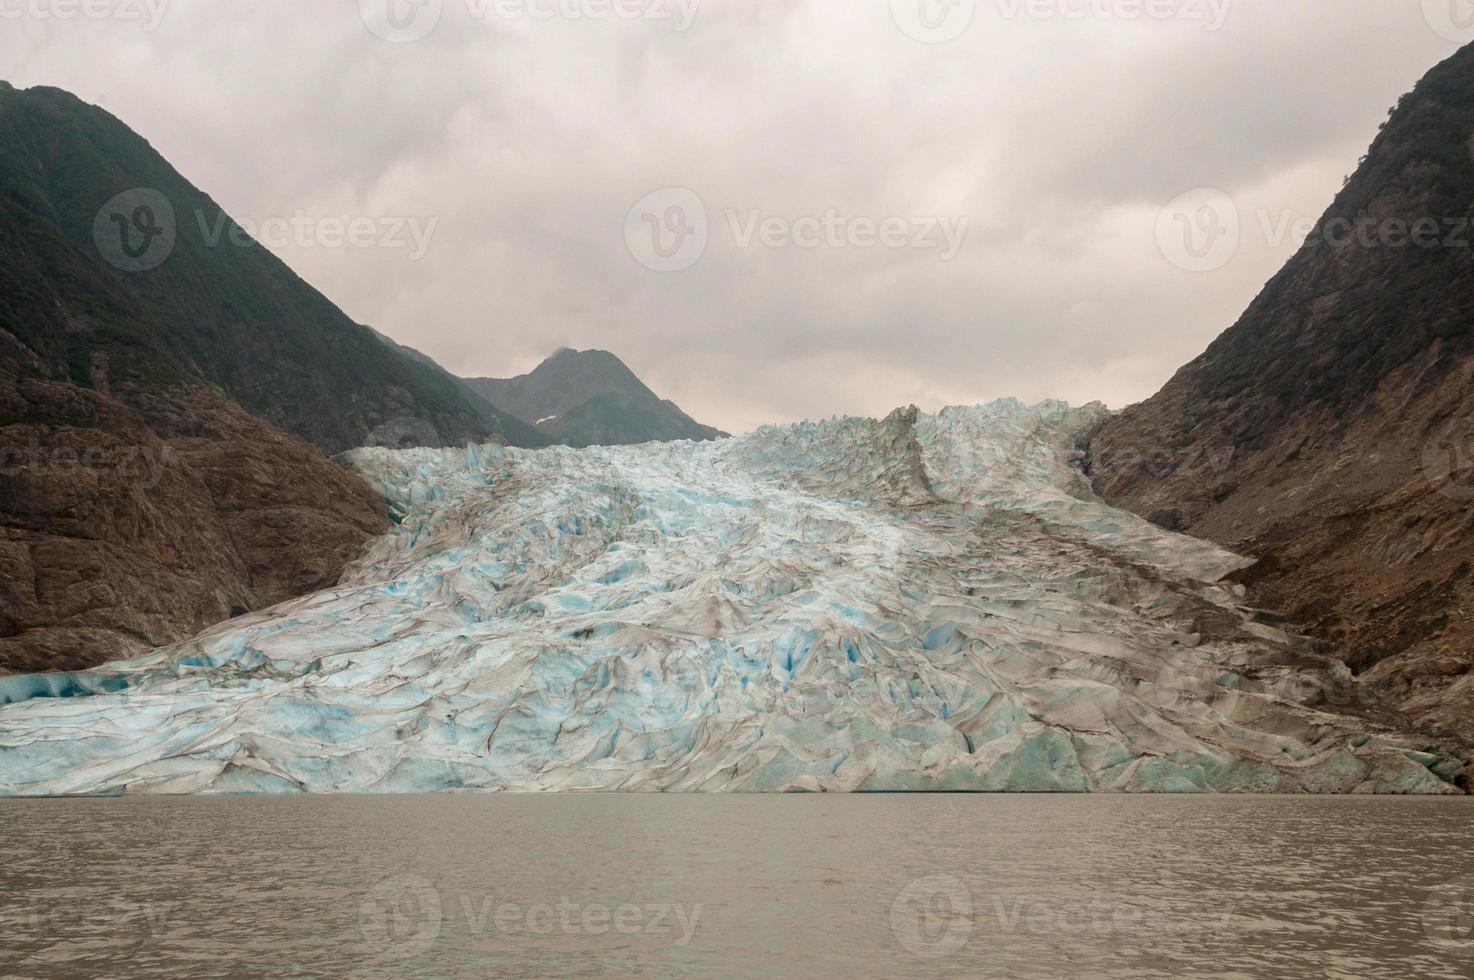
[(406, 915), (406, 21), (1452, 20), (139, 229), (401, 914), (934, 21), (404, 433), (1203, 229), (680, 14), (1200, 230), (401, 21), (669, 230), (303, 230), (1331, 688), (941, 21), (136, 230), (832, 230), (1015, 914), (932, 916), (1198, 462), (138, 465), (1448, 916), (146, 13), (1448, 459), (937, 916), (48, 922), (1213, 14)]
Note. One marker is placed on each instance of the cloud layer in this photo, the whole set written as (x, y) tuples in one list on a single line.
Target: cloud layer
[(827, 143)]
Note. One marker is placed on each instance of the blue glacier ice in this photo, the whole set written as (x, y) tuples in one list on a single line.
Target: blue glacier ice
[(918, 603)]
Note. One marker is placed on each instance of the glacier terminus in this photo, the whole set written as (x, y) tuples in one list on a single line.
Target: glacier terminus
[(923, 603)]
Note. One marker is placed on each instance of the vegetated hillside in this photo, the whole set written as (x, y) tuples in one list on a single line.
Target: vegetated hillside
[(1330, 432), (590, 398), (185, 296)]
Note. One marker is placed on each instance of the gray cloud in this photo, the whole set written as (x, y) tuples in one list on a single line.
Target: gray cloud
[(529, 140)]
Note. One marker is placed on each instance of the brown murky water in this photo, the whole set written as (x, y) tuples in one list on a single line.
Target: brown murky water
[(907, 886)]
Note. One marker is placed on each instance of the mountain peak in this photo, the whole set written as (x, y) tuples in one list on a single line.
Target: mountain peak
[(591, 397), (593, 354)]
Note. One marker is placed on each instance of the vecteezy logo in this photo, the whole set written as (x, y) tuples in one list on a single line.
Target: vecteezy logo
[(401, 916), (1448, 459), (932, 917), (135, 231), (1452, 20), (1199, 231), (401, 21), (405, 433), (934, 21), (668, 230), (1448, 916)]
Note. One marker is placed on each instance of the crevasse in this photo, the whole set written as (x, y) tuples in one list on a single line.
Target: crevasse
[(920, 603)]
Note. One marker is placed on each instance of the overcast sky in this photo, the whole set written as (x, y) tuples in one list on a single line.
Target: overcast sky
[(989, 185)]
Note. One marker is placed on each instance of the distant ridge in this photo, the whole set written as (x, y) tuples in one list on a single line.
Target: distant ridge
[(591, 398), (515, 431)]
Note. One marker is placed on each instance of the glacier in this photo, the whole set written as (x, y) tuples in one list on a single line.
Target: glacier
[(920, 603)]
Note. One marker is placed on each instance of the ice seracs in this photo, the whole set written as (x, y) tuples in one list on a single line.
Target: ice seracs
[(920, 603)]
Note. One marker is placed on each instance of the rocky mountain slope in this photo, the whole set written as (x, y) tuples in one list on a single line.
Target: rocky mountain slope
[(919, 603), (1330, 432), (590, 398), (118, 260), (144, 491), (124, 527)]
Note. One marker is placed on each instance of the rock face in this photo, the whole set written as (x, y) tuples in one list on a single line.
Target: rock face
[(1330, 432), (590, 398), (126, 528), (140, 501), (923, 603)]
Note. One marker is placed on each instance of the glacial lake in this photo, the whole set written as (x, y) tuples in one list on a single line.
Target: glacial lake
[(807, 886)]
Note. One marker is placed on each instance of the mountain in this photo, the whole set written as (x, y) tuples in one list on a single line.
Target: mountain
[(513, 430), (590, 398), (166, 400), (915, 604), (129, 523), (184, 294), (1330, 431)]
